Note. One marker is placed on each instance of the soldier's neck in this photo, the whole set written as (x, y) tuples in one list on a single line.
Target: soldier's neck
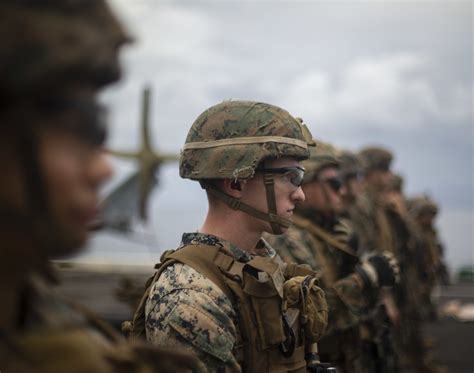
[(232, 227)]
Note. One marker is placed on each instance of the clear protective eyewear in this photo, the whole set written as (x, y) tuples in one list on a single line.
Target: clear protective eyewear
[(294, 174)]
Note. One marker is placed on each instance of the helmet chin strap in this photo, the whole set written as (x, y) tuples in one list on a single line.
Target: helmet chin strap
[(276, 222), (269, 181)]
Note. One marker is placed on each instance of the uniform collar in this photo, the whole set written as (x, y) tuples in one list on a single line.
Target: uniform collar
[(196, 238)]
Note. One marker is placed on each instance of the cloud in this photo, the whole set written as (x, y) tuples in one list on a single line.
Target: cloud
[(357, 72), (389, 92)]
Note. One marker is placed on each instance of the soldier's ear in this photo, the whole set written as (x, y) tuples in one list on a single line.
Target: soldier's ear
[(233, 188), (235, 185)]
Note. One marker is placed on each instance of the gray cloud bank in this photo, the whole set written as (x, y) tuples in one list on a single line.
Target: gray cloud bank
[(359, 72)]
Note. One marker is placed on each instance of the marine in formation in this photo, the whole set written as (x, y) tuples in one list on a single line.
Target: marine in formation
[(224, 294), (321, 239)]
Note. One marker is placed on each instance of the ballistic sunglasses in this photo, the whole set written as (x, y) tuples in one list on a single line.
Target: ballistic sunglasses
[(335, 183), (294, 174)]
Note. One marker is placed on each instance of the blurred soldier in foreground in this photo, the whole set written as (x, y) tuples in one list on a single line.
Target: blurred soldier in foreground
[(223, 293), (319, 239), (55, 56)]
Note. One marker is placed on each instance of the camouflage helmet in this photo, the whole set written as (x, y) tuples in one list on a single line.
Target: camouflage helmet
[(53, 46), (396, 183), (351, 165), (421, 205), (230, 139), (376, 158), (322, 156)]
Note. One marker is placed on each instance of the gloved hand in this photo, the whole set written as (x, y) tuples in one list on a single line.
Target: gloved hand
[(379, 270), (314, 365)]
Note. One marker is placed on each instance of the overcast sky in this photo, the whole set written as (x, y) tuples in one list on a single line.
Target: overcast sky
[(396, 73)]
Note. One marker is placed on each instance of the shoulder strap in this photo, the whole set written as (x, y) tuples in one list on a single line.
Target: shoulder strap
[(211, 262), (321, 234)]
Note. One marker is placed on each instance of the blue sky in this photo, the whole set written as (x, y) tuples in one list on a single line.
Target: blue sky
[(393, 73)]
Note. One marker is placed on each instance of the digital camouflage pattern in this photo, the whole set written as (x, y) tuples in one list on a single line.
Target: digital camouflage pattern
[(189, 311), (349, 299), (332, 247), (346, 294), (376, 158), (299, 246), (251, 124)]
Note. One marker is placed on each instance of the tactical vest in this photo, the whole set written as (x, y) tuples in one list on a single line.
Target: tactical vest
[(280, 309)]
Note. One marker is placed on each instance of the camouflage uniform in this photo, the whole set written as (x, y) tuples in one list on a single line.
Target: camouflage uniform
[(412, 293), (213, 309), (326, 244), (432, 268), (188, 311), (396, 233), (408, 247), (346, 294), (56, 55), (365, 214)]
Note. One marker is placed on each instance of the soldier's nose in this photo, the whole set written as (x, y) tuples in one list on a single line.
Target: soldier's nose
[(100, 169), (298, 195)]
